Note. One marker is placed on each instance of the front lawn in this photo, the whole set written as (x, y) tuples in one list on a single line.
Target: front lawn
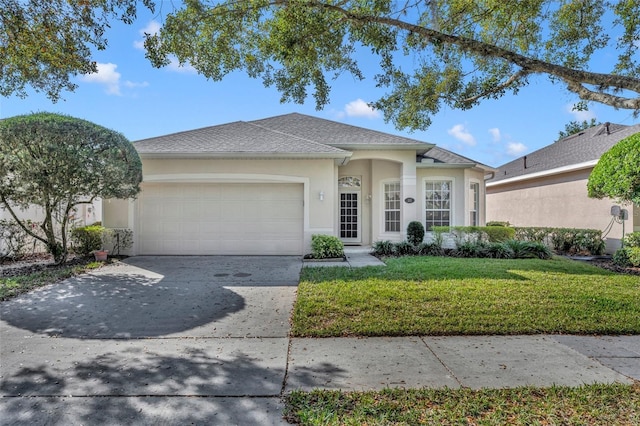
[(587, 405), (451, 296)]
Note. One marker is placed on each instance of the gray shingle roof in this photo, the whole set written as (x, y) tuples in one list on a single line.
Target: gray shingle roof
[(440, 155), (583, 147), (239, 137), (334, 133)]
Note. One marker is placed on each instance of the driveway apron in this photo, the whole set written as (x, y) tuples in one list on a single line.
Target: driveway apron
[(206, 326)]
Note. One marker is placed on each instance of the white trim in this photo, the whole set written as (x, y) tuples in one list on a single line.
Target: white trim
[(452, 179), (558, 170), (382, 223), (467, 200)]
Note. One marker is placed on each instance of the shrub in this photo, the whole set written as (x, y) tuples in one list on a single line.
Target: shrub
[(384, 248), (405, 248), (415, 232), (621, 258), (496, 234), (632, 239), (326, 246), (528, 249), (118, 239), (532, 233), (87, 239), (470, 249), (633, 253), (499, 250), (627, 256), (497, 223), (430, 249)]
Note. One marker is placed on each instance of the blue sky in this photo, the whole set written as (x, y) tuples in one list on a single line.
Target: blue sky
[(132, 97)]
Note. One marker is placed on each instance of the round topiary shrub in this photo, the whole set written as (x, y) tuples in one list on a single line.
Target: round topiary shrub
[(415, 232)]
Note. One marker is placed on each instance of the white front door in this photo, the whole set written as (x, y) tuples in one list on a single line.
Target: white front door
[(350, 222)]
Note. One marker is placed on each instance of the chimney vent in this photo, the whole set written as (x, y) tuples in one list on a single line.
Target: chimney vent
[(525, 161), (606, 126)]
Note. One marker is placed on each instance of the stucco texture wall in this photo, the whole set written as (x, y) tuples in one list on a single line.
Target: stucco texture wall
[(554, 201)]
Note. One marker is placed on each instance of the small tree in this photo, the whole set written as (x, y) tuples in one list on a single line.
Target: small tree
[(574, 127), (617, 174), (415, 232), (58, 162)]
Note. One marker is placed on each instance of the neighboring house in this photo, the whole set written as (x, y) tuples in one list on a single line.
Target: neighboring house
[(266, 186), (549, 187)]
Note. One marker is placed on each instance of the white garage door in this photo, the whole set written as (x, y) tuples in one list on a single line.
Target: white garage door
[(247, 218)]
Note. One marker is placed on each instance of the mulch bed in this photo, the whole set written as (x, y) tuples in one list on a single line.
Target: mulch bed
[(608, 264), (32, 263)]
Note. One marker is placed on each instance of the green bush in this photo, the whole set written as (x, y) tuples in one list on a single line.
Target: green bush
[(384, 248), (633, 253), (430, 249), (528, 249), (496, 234), (405, 248), (117, 239), (627, 256), (632, 239), (470, 249), (326, 247), (497, 223), (499, 250), (532, 233), (14, 239), (87, 239), (415, 232), (621, 258)]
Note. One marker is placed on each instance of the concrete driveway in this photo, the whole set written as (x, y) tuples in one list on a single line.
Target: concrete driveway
[(152, 326)]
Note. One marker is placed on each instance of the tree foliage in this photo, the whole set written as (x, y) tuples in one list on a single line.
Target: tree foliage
[(617, 174), (58, 162), (458, 52), (573, 127), (44, 43)]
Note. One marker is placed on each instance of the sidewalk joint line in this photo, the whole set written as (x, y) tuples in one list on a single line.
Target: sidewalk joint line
[(441, 362)]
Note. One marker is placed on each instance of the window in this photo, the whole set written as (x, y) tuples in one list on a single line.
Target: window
[(349, 182), (392, 207), (437, 203), (474, 202)]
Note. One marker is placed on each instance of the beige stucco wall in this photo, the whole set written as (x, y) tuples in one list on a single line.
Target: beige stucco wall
[(555, 201), (315, 175)]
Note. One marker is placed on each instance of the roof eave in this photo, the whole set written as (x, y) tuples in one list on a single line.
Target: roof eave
[(544, 173), (244, 155), (420, 147), (478, 166)]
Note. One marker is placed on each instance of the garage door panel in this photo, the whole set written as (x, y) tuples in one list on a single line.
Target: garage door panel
[(221, 219)]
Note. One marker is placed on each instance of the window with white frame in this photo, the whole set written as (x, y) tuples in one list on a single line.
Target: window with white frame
[(474, 203), (392, 207), (437, 197)]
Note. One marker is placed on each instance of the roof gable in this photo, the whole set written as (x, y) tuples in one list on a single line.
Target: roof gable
[(583, 147)]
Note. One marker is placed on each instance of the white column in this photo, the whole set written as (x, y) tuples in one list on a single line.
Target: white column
[(409, 190)]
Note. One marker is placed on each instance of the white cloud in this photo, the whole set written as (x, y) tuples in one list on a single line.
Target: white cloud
[(359, 108), (110, 78), (580, 115), (514, 149), (462, 134), (495, 134), (152, 28), (106, 75)]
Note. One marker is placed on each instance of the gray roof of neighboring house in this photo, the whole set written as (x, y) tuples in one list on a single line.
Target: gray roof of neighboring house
[(583, 147)]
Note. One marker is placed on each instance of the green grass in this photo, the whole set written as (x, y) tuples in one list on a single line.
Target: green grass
[(615, 404), (13, 286), (450, 296)]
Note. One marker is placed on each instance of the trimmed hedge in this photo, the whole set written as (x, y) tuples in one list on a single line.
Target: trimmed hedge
[(493, 234), (510, 249), (326, 247), (565, 240), (87, 239)]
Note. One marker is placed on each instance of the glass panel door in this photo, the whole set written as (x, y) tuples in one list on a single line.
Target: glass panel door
[(350, 217)]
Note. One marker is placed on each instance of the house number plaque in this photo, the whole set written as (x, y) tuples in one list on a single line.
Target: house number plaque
[(409, 200)]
